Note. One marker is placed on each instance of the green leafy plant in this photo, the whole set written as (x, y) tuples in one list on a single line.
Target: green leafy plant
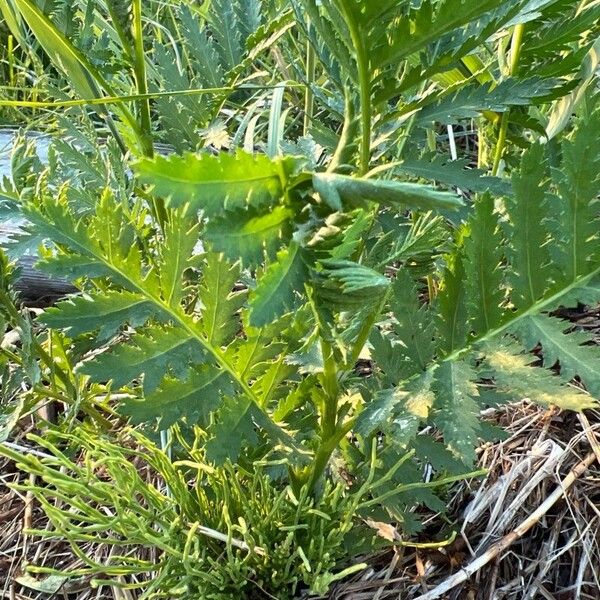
[(240, 292), (274, 540)]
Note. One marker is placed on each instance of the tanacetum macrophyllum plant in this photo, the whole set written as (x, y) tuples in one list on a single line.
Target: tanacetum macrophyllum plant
[(342, 314)]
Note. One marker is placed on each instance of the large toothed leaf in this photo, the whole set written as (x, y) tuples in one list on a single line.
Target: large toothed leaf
[(220, 302), (181, 236), (515, 376), (483, 274), (250, 236), (452, 309), (193, 398), (575, 221), (342, 191), (216, 184), (106, 312), (527, 232), (575, 357), (455, 173), (234, 427), (151, 354), (414, 325), (457, 408), (278, 290)]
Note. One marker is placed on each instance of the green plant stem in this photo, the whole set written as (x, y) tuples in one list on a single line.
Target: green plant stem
[(364, 82), (331, 389), (139, 69), (141, 82), (309, 99), (324, 453), (422, 485), (115, 99), (515, 49)]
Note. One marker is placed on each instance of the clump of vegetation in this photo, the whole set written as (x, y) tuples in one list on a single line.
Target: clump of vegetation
[(228, 294), (220, 532)]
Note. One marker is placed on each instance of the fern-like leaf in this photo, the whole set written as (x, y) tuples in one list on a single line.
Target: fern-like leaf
[(569, 349), (278, 290), (152, 354), (106, 312), (220, 302), (455, 173), (483, 274)]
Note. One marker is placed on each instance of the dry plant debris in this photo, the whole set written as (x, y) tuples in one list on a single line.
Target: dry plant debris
[(530, 530)]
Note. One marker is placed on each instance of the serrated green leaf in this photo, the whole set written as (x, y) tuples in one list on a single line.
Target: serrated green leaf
[(515, 375), (457, 408), (568, 348), (390, 358), (233, 428), (216, 184), (398, 411), (527, 233), (192, 399), (180, 238), (251, 236), (428, 22), (341, 190), (454, 172), (220, 302), (72, 266), (262, 345), (483, 274), (414, 326), (470, 101), (452, 311), (278, 290), (106, 312), (353, 277), (151, 354), (201, 48), (575, 223)]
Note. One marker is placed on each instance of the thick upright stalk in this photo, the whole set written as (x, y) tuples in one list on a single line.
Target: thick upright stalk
[(364, 83), (515, 50)]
